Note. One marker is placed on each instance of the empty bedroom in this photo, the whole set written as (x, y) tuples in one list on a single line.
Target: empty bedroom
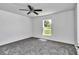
[(38, 29)]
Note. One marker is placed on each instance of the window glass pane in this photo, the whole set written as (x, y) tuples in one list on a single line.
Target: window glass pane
[(47, 27)]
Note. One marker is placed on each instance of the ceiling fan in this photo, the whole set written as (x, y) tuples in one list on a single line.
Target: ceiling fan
[(31, 10)]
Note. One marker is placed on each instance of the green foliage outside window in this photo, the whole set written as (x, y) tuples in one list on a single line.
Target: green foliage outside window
[(47, 30)]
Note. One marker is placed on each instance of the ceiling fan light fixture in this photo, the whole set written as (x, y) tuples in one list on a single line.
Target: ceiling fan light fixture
[(31, 10)]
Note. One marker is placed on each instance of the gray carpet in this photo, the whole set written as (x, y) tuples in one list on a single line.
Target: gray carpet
[(33, 46)]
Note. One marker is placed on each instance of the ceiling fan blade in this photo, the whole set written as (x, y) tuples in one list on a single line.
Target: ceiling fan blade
[(28, 12), (23, 10), (38, 10), (36, 13), (30, 7)]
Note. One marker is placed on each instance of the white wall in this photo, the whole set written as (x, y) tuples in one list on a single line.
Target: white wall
[(63, 26), (14, 27), (75, 25), (78, 23)]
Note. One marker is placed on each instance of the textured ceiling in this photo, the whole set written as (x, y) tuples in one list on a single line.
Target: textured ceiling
[(48, 8)]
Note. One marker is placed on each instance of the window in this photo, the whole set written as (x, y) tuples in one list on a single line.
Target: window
[(47, 27)]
